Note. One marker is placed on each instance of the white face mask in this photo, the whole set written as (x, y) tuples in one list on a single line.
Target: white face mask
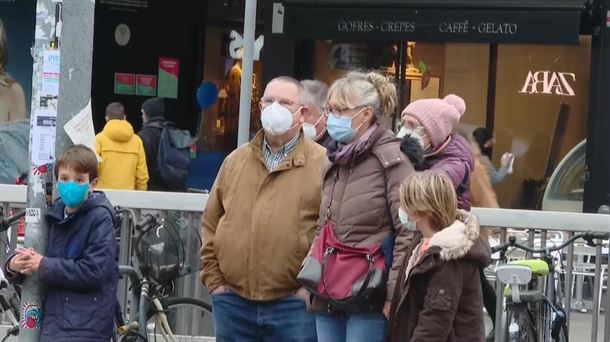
[(404, 220), (276, 119), (310, 130), (404, 131)]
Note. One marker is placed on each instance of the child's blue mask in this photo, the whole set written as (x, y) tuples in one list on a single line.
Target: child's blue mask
[(73, 194)]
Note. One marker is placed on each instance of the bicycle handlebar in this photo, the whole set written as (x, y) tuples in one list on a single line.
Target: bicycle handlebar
[(7, 222), (146, 222), (588, 237)]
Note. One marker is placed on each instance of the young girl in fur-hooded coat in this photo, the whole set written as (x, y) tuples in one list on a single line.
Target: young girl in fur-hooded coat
[(438, 295)]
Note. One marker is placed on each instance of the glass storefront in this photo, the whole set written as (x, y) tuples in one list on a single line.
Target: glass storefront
[(218, 130), (533, 82)]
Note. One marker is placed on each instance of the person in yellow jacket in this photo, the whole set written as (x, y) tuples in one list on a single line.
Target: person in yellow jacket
[(123, 161)]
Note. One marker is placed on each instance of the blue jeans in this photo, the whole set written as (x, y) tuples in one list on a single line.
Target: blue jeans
[(240, 320), (356, 327)]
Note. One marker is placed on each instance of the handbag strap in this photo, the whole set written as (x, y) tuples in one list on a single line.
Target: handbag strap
[(369, 274)]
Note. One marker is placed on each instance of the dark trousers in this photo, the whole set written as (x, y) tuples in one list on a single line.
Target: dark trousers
[(489, 296)]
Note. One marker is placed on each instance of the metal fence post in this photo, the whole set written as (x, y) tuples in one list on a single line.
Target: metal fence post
[(568, 280)]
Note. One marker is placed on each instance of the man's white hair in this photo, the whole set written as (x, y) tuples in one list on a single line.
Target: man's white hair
[(317, 93)]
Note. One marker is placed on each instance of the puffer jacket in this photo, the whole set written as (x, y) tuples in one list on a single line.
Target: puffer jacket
[(453, 159), (359, 204), (441, 298), (79, 273), (123, 160)]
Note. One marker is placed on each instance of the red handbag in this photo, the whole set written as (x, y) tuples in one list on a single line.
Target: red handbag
[(349, 278)]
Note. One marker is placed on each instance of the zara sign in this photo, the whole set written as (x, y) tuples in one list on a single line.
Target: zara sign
[(549, 82)]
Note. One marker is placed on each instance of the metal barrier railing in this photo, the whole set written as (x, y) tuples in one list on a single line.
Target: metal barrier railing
[(534, 221)]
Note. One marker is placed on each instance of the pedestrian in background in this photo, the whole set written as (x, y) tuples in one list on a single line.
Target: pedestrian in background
[(438, 297), (153, 118), (484, 196), (122, 157), (259, 222), (360, 198), (314, 126), (485, 141)]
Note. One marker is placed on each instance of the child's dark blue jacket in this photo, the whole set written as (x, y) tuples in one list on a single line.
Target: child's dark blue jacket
[(80, 272)]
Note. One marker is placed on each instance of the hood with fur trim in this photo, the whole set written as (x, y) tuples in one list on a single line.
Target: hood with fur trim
[(462, 240)]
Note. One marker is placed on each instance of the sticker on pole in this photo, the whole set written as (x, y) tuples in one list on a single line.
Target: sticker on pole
[(32, 215), (31, 316)]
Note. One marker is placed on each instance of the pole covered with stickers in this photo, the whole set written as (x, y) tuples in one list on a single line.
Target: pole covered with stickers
[(66, 26)]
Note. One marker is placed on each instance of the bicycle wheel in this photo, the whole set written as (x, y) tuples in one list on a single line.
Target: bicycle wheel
[(519, 327), (186, 317)]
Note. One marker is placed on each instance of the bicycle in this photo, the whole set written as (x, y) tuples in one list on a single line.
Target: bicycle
[(152, 308), (532, 308)]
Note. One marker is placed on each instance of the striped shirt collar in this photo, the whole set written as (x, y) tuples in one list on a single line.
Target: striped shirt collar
[(272, 160)]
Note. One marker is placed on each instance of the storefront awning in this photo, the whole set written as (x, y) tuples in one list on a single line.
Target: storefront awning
[(477, 21)]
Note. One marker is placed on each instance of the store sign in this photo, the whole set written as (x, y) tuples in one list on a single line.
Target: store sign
[(442, 25), (549, 82), (236, 46)]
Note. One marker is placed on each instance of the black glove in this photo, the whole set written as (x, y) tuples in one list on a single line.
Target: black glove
[(411, 147)]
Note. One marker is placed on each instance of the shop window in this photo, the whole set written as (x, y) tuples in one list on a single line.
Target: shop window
[(533, 82), (219, 124)]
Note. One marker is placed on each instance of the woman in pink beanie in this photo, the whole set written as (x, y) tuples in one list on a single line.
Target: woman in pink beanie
[(430, 123)]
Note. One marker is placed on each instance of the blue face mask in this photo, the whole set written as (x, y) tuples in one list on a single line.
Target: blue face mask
[(404, 220), (340, 128), (72, 194)]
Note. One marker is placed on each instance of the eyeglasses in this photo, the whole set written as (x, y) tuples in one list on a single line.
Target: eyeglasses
[(283, 102), (337, 112)]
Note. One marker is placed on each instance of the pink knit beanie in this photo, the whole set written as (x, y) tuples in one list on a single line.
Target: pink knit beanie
[(438, 117)]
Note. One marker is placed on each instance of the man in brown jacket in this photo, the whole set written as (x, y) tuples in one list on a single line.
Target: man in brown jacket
[(258, 225)]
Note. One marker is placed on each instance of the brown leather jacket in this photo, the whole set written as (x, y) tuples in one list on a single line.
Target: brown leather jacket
[(359, 205), (441, 298)]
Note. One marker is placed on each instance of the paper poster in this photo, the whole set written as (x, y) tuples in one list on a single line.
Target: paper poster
[(43, 144), (146, 85), (169, 71), (80, 128), (124, 84), (50, 73)]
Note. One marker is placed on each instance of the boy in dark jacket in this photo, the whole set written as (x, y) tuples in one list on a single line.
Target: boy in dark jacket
[(79, 269)]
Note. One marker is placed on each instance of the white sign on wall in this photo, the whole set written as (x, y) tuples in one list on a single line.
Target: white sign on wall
[(236, 46), (549, 82)]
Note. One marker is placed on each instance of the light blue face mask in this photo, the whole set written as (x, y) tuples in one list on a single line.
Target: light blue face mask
[(340, 128), (404, 220), (72, 194)]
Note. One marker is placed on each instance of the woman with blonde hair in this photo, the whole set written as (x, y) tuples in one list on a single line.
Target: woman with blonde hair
[(438, 296), (360, 202), (12, 98)]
